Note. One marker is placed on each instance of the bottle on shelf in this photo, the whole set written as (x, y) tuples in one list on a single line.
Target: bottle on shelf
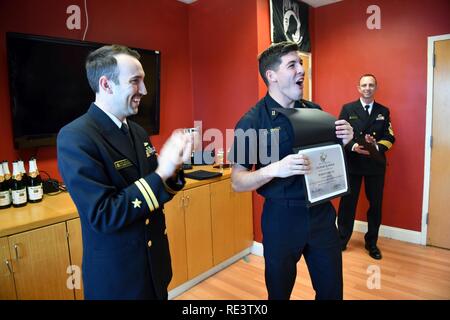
[(18, 188), (5, 196), (34, 185), (6, 173), (23, 172)]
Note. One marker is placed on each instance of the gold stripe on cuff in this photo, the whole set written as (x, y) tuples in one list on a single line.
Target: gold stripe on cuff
[(385, 143), (391, 131), (150, 192), (145, 194)]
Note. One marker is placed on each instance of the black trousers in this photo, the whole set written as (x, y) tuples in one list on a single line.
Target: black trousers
[(291, 230), (374, 185)]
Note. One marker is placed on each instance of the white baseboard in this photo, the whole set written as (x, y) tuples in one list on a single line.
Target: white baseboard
[(392, 232), (257, 249), (189, 284)]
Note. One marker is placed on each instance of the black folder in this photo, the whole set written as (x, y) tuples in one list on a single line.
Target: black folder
[(311, 126), (202, 175)]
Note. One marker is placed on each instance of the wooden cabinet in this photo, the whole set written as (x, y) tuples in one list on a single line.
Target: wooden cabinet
[(7, 288), (188, 221), (76, 255), (176, 232), (40, 262), (232, 220), (207, 225), (243, 220), (197, 211), (222, 218)]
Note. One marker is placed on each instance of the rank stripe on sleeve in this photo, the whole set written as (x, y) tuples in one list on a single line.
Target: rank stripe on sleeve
[(385, 143), (150, 192), (145, 194)]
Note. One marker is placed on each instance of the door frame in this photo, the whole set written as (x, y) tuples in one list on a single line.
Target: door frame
[(428, 132), (308, 73)]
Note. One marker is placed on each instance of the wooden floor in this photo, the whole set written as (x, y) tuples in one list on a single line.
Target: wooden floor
[(408, 271)]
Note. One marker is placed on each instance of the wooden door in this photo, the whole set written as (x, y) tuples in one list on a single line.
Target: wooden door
[(40, 262), (7, 288), (198, 230), (439, 219), (243, 221), (175, 224), (307, 92), (76, 255), (223, 212)]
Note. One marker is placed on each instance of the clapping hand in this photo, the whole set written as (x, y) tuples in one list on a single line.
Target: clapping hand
[(176, 150)]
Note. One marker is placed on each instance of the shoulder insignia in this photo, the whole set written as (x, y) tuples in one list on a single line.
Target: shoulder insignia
[(149, 150), (275, 129)]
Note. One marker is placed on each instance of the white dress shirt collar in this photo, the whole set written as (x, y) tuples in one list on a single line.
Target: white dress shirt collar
[(367, 104), (114, 118)]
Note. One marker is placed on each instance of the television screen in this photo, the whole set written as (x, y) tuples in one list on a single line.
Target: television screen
[(49, 88)]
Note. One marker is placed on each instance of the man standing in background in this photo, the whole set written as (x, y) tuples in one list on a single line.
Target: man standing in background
[(372, 128)]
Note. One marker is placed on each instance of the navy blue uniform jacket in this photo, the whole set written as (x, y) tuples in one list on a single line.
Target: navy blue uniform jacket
[(378, 124), (115, 189)]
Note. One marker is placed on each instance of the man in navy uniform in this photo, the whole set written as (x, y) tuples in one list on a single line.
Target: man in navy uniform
[(119, 184), (371, 123), (290, 228)]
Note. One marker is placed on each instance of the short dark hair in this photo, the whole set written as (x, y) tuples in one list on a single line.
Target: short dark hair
[(270, 59), (367, 75), (102, 62)]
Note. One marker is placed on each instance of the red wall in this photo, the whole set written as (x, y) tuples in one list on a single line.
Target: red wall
[(224, 69), (224, 46), (397, 54), (157, 24)]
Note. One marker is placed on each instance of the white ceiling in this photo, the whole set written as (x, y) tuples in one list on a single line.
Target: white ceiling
[(319, 3), (313, 3)]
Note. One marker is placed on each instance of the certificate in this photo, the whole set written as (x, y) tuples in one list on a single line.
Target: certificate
[(328, 176)]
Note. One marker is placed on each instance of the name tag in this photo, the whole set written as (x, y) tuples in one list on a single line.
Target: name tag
[(122, 164), (353, 118)]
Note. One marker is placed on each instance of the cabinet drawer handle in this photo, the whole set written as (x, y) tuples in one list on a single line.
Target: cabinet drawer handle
[(8, 264), (188, 198), (16, 250), (182, 202)]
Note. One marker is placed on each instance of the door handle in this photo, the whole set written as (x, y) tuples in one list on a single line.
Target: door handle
[(8, 265), (16, 250)]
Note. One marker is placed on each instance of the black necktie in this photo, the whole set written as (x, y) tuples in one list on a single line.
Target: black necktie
[(126, 131), (367, 109)]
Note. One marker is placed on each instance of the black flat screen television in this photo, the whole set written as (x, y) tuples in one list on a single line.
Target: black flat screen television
[(48, 87)]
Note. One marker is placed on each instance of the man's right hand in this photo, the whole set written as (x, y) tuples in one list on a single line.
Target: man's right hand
[(290, 165), (360, 149), (176, 149)]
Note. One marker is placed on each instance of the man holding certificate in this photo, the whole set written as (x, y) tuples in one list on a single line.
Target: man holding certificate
[(266, 160)]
